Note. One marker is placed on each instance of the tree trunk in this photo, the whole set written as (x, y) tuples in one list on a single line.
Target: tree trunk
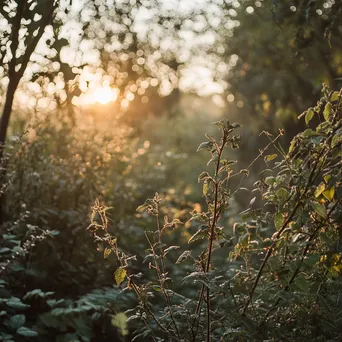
[(12, 87)]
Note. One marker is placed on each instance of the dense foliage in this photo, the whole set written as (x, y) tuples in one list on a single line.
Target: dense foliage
[(103, 103), (282, 280)]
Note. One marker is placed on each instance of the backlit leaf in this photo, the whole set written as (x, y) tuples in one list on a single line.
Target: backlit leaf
[(107, 252), (319, 190), (329, 194), (271, 157), (309, 115), (205, 188), (327, 111), (120, 275), (334, 96), (278, 220), (207, 145)]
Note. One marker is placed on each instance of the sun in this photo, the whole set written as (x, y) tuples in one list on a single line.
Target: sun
[(99, 95), (105, 95)]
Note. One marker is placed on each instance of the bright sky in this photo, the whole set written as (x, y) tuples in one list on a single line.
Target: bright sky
[(97, 87)]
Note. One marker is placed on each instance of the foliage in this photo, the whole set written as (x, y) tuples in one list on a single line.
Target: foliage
[(282, 279), (279, 56)]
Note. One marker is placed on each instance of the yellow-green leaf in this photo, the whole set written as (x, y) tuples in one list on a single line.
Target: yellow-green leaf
[(329, 194), (271, 157), (120, 275), (334, 96), (327, 178), (309, 115), (327, 111), (120, 321), (335, 140), (319, 190), (278, 220), (319, 209), (205, 188), (107, 252)]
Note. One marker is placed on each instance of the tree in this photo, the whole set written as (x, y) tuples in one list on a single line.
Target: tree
[(27, 21), (280, 54)]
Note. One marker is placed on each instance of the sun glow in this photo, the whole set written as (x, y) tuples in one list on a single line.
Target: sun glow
[(100, 95)]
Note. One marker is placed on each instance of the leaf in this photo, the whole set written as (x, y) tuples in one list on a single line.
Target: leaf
[(16, 303), (120, 275), (334, 96), (270, 180), (207, 145), (308, 133), (142, 208), (107, 252), (319, 209), (319, 190), (251, 202), (200, 234), (335, 140), (213, 158), (278, 220), (205, 188), (271, 157), (4, 250), (120, 321), (329, 194), (171, 248), (282, 193), (327, 111), (23, 331), (184, 256), (309, 115), (17, 321)]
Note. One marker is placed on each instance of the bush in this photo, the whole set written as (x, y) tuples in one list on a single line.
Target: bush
[(282, 279)]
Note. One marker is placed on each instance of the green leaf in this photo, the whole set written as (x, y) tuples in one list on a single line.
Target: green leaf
[(327, 111), (309, 115), (200, 234), (270, 180), (278, 220), (207, 145), (271, 157), (319, 209), (171, 248), (309, 133), (329, 194), (319, 190), (23, 331), (16, 303), (17, 321), (282, 193), (184, 256), (120, 275)]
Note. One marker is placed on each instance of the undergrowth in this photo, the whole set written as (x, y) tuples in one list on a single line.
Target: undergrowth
[(280, 278)]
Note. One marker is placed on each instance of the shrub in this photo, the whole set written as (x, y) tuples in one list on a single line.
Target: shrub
[(282, 278)]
